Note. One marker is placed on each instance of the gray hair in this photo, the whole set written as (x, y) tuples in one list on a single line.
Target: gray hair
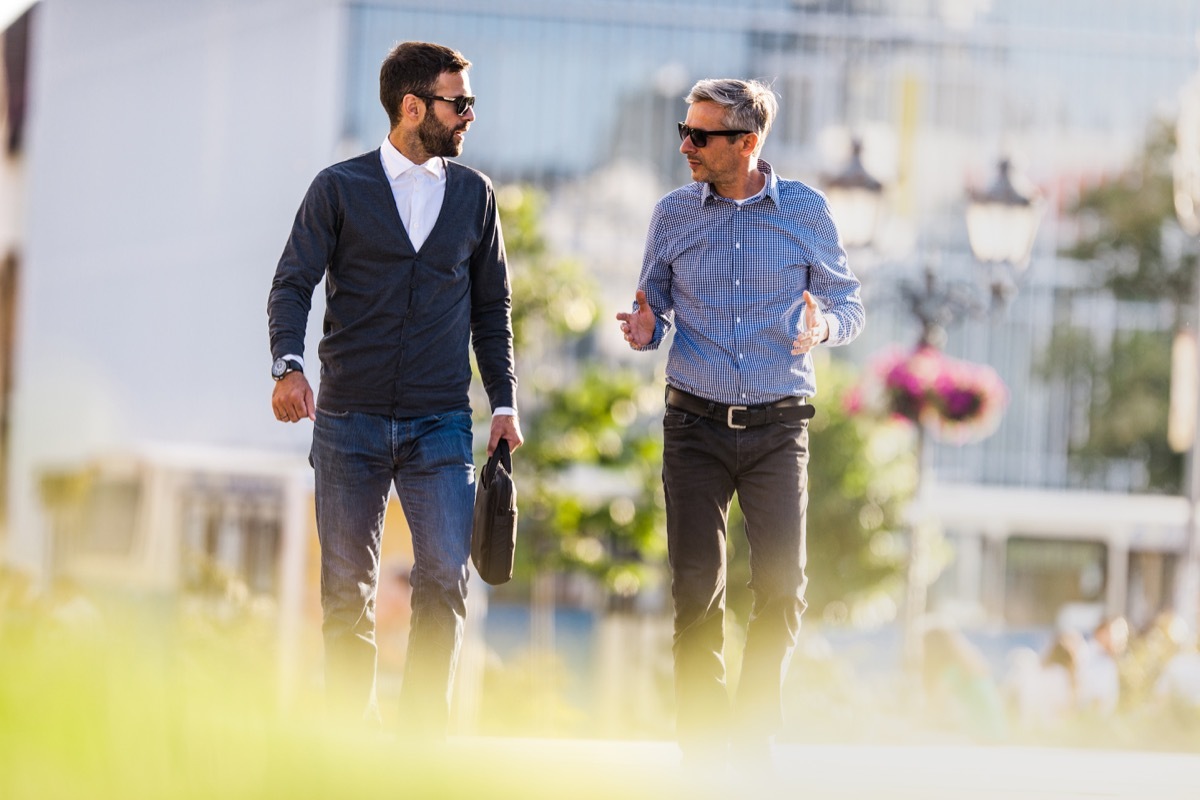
[(749, 105)]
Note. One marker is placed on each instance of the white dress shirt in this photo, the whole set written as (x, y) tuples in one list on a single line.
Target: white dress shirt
[(419, 190)]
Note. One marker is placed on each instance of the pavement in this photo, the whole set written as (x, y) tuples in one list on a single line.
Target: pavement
[(580, 768)]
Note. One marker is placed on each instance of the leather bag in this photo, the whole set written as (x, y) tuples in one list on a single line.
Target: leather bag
[(494, 531)]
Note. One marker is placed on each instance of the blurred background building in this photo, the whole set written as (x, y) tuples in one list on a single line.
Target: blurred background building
[(152, 176)]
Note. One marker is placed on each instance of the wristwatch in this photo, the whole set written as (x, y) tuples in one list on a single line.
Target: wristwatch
[(283, 366)]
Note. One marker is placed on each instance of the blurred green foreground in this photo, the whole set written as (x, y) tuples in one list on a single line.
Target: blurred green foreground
[(110, 714), (157, 704)]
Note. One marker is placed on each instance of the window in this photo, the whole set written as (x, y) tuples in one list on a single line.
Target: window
[(1043, 575)]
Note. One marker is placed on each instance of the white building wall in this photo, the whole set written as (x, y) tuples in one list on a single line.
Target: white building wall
[(169, 146)]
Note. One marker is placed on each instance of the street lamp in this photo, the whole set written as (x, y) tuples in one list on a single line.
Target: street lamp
[(855, 198), (1002, 222)]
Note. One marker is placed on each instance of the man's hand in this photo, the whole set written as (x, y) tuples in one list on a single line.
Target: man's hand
[(292, 399), (816, 328), (638, 326), (505, 426)]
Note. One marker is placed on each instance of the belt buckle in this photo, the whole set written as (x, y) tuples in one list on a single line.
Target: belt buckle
[(729, 417)]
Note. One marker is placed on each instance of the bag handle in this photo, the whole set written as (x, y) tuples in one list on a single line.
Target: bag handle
[(502, 455)]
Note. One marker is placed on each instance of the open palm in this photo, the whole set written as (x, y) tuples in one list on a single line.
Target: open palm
[(638, 326)]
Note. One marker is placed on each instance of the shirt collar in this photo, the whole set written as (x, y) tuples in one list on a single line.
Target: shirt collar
[(396, 163), (770, 188)]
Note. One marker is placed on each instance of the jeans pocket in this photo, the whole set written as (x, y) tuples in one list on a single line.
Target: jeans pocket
[(676, 419)]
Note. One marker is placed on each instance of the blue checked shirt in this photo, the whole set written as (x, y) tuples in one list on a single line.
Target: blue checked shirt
[(731, 280)]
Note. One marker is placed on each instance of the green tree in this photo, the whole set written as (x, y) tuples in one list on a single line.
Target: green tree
[(1122, 385), (1123, 220), (587, 475), (862, 479)]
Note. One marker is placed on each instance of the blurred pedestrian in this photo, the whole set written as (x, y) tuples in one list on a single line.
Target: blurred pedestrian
[(1059, 700), (1169, 672), (410, 248), (1022, 687), (749, 270), (1100, 666), (1178, 685), (1149, 651), (1041, 690), (959, 687)]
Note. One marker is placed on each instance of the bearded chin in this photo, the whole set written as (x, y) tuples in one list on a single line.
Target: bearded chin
[(436, 140)]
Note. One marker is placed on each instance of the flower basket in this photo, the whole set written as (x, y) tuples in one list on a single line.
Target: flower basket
[(958, 401)]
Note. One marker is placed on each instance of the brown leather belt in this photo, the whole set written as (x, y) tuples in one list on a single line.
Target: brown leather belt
[(739, 417)]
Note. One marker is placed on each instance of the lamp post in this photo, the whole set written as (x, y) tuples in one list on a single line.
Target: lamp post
[(1002, 223), (855, 198), (935, 305)]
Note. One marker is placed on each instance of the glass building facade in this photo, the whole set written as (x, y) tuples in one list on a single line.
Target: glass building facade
[(937, 90)]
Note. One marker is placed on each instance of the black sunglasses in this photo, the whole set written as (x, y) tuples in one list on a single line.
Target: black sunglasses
[(461, 104), (700, 138)]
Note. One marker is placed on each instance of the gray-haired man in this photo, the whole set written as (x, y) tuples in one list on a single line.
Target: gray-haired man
[(749, 269)]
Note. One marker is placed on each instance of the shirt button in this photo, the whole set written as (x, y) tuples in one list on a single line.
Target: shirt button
[(737, 246), (737, 283), (740, 355), (737, 319)]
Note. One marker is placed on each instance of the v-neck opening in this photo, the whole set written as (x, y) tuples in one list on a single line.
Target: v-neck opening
[(437, 223)]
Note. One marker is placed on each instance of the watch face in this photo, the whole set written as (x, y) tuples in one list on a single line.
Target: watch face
[(279, 368)]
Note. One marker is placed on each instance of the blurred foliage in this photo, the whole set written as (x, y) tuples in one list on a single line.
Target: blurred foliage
[(1121, 387), (528, 697), (160, 701), (143, 709), (861, 476), (1122, 221), (587, 475), (1127, 389), (591, 432)]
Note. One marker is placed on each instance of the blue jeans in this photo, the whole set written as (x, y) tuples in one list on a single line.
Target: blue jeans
[(357, 458), (704, 463)]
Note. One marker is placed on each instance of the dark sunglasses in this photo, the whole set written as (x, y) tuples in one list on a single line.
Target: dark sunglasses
[(461, 104), (700, 138)]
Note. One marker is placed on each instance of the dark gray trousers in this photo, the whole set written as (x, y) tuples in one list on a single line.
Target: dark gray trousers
[(704, 463)]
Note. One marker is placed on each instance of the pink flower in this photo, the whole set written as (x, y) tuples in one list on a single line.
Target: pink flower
[(852, 401), (958, 401)]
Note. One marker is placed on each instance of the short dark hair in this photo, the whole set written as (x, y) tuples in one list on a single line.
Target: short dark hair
[(413, 68)]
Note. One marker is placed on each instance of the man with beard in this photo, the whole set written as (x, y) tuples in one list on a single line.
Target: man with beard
[(749, 269), (410, 247)]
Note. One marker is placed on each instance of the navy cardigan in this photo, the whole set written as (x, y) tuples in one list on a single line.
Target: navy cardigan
[(398, 322)]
